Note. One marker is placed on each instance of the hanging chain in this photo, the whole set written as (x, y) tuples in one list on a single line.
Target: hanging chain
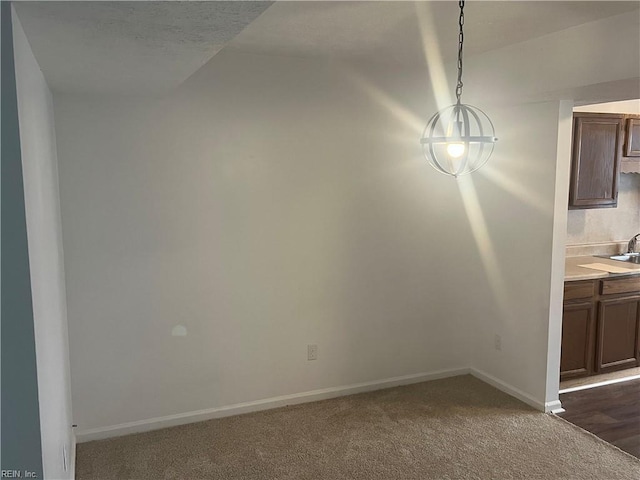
[(460, 43)]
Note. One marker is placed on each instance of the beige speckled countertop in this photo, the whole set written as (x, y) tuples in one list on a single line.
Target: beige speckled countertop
[(573, 272)]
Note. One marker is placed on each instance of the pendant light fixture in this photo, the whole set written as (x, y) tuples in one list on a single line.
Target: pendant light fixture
[(458, 139)]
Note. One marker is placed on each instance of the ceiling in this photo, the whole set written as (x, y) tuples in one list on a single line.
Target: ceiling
[(390, 31), (129, 47), (134, 47)]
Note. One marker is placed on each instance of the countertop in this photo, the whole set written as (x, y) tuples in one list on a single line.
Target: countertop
[(573, 272)]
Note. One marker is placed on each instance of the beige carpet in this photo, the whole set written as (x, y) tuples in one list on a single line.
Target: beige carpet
[(456, 428)]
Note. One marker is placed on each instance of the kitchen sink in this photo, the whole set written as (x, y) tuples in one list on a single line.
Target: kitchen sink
[(624, 257)]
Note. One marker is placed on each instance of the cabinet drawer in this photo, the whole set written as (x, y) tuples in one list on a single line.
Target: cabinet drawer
[(620, 285), (575, 290)]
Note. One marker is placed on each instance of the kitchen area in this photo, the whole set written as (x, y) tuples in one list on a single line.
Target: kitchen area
[(600, 356)]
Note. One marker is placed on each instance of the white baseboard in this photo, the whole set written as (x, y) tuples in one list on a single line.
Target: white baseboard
[(304, 397), (265, 404), (513, 391), (553, 407)]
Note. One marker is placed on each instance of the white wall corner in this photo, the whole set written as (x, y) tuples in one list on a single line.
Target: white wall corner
[(46, 260), (525, 397), (72, 455), (563, 168)]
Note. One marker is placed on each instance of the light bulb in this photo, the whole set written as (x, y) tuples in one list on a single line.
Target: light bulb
[(455, 150)]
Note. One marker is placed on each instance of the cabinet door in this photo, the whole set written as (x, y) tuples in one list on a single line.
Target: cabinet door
[(595, 163), (578, 325), (618, 340), (632, 140)]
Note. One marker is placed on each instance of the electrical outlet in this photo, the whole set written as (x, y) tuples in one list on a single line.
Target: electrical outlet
[(312, 352), (497, 342)]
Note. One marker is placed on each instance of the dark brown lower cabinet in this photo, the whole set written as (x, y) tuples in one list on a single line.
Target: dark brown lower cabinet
[(618, 343), (600, 326), (578, 337)]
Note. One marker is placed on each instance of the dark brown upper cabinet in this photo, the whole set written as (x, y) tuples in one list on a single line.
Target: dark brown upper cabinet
[(631, 155), (632, 140), (595, 163)]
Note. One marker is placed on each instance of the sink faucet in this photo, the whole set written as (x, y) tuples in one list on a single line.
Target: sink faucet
[(631, 246)]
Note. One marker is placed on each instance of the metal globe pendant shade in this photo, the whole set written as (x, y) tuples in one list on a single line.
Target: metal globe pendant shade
[(458, 140)]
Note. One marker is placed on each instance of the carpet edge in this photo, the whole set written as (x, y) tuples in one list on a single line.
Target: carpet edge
[(589, 434)]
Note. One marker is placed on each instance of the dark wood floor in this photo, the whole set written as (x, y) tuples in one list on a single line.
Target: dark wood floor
[(611, 412)]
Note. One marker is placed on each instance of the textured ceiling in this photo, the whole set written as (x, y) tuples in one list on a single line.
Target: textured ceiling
[(150, 47), (129, 47), (391, 31)]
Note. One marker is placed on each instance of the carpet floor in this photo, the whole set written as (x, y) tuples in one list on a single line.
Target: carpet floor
[(455, 428)]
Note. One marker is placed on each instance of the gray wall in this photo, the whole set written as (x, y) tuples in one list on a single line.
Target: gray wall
[(21, 445)]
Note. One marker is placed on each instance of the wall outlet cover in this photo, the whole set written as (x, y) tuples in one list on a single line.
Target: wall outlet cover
[(497, 342), (312, 352)]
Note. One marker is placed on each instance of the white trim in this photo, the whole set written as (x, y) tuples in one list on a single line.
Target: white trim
[(72, 467), (599, 384), (255, 406), (511, 390), (554, 407)]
